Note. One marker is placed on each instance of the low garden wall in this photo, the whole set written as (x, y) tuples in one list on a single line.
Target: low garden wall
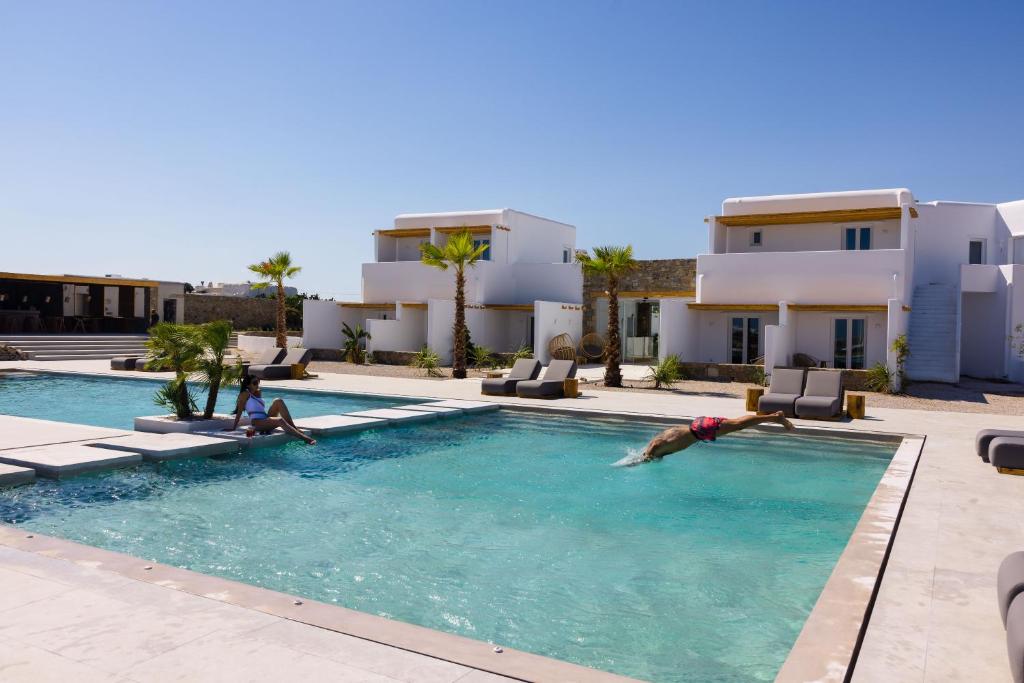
[(242, 312), (853, 380), (251, 343)]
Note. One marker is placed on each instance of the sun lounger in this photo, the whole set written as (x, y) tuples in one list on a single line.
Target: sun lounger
[(268, 357), (985, 436), (823, 395), (123, 362), (1009, 590), (1015, 638), (550, 385), (1007, 453), (524, 369), (283, 369), (786, 387)]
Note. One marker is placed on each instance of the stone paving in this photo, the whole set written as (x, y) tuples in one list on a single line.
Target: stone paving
[(935, 616)]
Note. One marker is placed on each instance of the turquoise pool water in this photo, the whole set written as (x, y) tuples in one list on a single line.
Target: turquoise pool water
[(511, 528), (114, 402)]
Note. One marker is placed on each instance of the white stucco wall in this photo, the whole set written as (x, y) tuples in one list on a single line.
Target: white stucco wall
[(533, 239), (811, 236), (677, 332), (713, 331), (321, 324), (253, 344), (553, 318), (942, 234), (407, 331)]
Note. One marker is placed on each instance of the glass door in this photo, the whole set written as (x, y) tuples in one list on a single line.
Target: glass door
[(744, 340), (639, 323), (848, 343)]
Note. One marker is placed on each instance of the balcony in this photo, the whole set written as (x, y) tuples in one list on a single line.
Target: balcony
[(978, 278), (806, 277)]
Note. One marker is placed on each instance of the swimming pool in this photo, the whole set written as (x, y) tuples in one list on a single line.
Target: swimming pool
[(115, 402), (512, 528)]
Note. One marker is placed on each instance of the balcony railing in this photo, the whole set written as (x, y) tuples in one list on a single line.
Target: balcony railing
[(807, 277)]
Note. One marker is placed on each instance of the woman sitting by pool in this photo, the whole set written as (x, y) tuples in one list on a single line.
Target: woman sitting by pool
[(261, 418), (704, 429)]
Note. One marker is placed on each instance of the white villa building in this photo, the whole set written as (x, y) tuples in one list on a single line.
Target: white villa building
[(838, 276), (526, 289)]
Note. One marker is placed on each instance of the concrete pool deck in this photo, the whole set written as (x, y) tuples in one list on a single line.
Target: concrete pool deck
[(935, 616)]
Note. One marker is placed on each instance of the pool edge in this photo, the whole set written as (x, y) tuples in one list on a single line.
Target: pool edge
[(826, 648), (479, 655)]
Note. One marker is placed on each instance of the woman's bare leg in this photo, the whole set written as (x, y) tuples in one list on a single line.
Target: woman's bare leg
[(273, 422), (279, 409), (735, 424)]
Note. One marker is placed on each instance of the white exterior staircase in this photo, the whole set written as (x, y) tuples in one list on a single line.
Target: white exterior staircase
[(77, 346), (932, 334)]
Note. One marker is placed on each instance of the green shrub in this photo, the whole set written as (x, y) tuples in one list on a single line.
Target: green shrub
[(482, 357), (665, 373), (520, 353), (427, 360), (901, 348), (879, 378)]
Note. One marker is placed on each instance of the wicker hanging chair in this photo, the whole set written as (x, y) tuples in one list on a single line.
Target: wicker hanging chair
[(562, 347), (592, 346)]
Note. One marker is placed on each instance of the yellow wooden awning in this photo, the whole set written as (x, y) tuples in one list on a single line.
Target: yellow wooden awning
[(80, 280), (802, 217)]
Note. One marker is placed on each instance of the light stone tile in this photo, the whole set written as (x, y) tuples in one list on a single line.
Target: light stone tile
[(229, 657), (477, 676), (65, 460), (362, 654), (24, 663), (21, 589)]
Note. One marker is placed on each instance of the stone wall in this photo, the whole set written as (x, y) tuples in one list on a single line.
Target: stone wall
[(11, 353), (661, 275), (242, 312)]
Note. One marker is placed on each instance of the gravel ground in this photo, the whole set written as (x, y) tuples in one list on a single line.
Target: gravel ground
[(970, 396)]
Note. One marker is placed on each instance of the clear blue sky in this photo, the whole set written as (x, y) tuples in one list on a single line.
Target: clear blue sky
[(183, 140)]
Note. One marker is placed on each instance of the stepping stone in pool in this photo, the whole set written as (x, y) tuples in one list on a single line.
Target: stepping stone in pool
[(275, 438), (174, 446), (12, 475), (337, 424), (467, 406), (62, 460), (440, 411), (396, 415)]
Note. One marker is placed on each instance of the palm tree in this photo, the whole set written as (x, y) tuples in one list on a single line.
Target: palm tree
[(273, 271), (353, 342), (458, 252), (209, 367), (612, 263), (175, 347)]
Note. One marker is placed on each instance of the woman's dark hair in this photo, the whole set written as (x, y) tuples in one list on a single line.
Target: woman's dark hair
[(244, 385)]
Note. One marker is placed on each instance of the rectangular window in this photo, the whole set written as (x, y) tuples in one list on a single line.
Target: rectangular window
[(755, 238), (486, 256), (566, 256), (744, 340), (848, 346), (976, 251), (857, 238)]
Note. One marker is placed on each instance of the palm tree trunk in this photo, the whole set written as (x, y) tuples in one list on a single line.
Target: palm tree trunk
[(612, 372), (459, 353), (282, 338), (183, 405), (211, 395)]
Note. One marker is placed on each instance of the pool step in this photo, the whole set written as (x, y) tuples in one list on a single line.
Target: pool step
[(324, 425), (466, 406), (12, 475), (275, 438), (396, 415), (173, 446), (61, 460)]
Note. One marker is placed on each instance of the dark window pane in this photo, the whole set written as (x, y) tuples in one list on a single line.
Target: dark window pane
[(753, 325), (737, 340), (851, 238), (975, 255), (839, 352), (865, 238), (857, 344)]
